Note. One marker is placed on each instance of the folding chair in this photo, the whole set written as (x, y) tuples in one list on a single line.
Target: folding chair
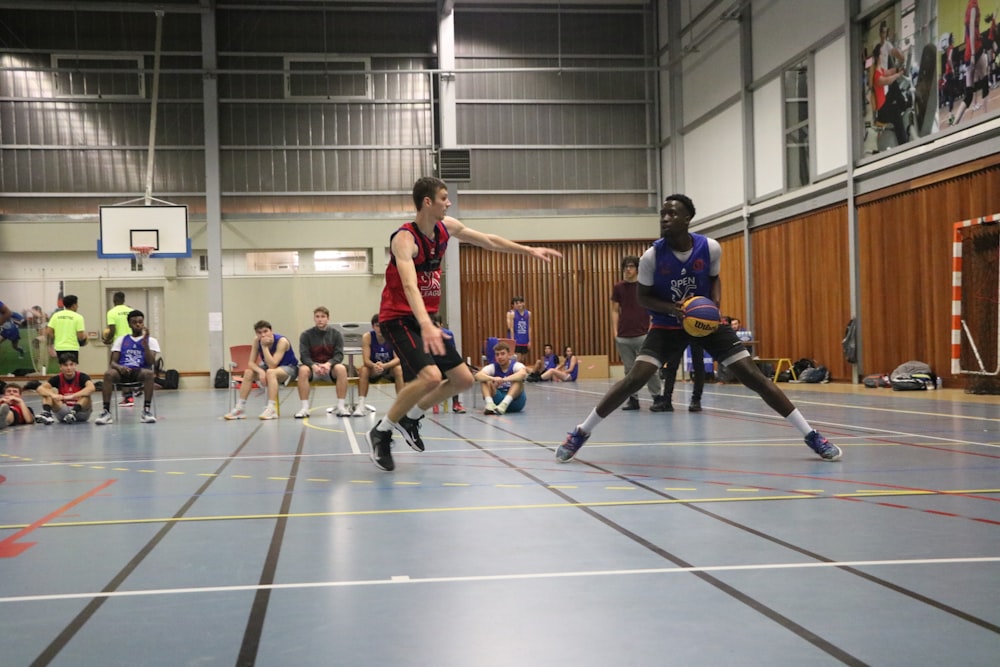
[(352, 333), (118, 387)]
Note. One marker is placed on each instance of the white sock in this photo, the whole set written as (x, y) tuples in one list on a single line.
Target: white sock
[(507, 400), (385, 424), (490, 404), (340, 404), (415, 412), (796, 419), (362, 400), (272, 404), (305, 404), (591, 422), (241, 403)]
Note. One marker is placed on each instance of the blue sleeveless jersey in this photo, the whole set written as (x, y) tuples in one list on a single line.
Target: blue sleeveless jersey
[(287, 360), (380, 351), (520, 333), (676, 281), (132, 354)]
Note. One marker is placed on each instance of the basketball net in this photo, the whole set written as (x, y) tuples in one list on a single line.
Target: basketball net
[(141, 252)]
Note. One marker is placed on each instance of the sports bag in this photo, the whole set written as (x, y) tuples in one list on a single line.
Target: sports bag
[(912, 376)]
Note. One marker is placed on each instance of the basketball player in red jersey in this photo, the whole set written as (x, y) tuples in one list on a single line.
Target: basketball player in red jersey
[(679, 265), (432, 367)]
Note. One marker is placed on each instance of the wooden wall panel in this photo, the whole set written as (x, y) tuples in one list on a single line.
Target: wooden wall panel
[(802, 288), (905, 251), (733, 277), (569, 299)]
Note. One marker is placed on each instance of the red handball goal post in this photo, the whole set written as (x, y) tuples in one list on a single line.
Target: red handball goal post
[(975, 309)]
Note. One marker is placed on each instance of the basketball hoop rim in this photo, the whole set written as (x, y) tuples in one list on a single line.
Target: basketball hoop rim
[(144, 250)]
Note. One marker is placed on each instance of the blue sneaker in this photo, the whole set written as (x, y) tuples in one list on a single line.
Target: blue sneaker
[(574, 441), (826, 449)]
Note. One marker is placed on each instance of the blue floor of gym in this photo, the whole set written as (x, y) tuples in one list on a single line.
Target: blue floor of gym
[(711, 539)]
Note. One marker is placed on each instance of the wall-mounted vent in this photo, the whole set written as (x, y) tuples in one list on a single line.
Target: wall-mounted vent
[(455, 164)]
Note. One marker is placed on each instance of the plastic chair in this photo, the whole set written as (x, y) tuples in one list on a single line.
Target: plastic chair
[(352, 333)]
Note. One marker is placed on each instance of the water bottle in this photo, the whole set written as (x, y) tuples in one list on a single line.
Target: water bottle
[(939, 382)]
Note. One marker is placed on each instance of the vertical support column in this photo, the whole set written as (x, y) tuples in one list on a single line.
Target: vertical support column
[(675, 94), (448, 138), (213, 190), (749, 187), (854, 95)]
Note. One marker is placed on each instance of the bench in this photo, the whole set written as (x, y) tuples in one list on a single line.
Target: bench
[(778, 362)]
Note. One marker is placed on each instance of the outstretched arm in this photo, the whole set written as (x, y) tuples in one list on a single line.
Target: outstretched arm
[(495, 242)]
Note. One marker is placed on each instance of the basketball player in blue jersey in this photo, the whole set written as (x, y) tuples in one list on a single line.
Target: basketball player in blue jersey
[(519, 327), (679, 265), (380, 364), (133, 356), (272, 362)]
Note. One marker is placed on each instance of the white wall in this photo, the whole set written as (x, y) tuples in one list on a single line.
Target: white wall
[(784, 28), (831, 127), (711, 72), (713, 162), (768, 139)]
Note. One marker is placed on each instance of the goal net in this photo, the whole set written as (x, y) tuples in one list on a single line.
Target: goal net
[(975, 327)]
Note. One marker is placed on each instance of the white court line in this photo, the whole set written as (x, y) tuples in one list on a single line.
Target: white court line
[(349, 430), (404, 579)]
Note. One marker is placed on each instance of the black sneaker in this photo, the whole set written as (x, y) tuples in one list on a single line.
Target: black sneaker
[(695, 405), (380, 449), (631, 404), (661, 404), (410, 430)]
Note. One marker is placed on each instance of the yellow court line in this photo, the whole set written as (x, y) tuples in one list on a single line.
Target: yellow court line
[(472, 508)]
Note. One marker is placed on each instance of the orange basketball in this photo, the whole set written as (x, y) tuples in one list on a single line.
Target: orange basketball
[(701, 316)]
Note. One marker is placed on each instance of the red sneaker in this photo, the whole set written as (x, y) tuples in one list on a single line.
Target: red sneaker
[(457, 408)]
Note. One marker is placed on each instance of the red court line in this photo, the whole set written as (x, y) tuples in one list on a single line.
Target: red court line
[(10, 547)]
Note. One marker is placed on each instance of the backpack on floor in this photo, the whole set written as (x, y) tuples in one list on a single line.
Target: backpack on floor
[(222, 379), (876, 380), (801, 365), (813, 375), (912, 376)]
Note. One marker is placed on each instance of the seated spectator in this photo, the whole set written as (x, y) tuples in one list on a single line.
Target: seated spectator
[(567, 371), (133, 357), (272, 361), (67, 393), (380, 364), (549, 360), (456, 403), (502, 382), (321, 359), (13, 410)]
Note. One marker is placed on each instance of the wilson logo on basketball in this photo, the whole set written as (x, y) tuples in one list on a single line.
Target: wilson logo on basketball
[(705, 326)]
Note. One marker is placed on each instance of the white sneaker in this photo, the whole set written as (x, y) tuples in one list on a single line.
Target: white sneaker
[(344, 412), (330, 410), (105, 418), (269, 413), (302, 414), (236, 413), (359, 411), (370, 408), (501, 409), (69, 418), (147, 417), (45, 418)]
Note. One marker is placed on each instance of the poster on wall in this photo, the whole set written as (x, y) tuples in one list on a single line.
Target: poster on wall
[(928, 65), (31, 304)]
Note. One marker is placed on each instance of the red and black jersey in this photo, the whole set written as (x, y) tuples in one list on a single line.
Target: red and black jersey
[(430, 254), (69, 387)]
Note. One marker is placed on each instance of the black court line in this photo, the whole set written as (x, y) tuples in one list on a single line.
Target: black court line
[(919, 597), (759, 607), (74, 626), (258, 610)]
